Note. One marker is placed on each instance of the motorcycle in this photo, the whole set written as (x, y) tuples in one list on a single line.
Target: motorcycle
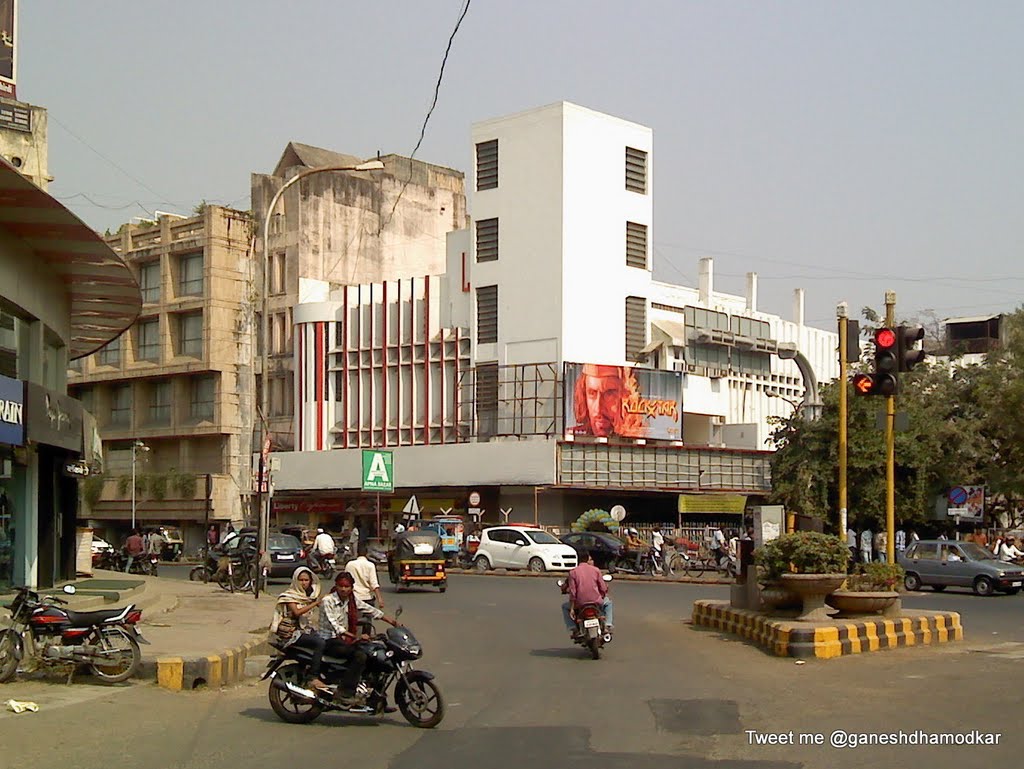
[(321, 564), (388, 663), (590, 624), (45, 636)]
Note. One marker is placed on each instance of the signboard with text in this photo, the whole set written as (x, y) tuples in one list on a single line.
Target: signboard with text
[(378, 471), (12, 411), (8, 47), (625, 401)]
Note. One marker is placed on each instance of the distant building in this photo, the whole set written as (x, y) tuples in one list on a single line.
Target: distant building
[(23, 139), (493, 374), (180, 380), (971, 338)]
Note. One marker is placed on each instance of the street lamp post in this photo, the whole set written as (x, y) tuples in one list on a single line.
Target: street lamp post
[(264, 521), (137, 446), (776, 394)]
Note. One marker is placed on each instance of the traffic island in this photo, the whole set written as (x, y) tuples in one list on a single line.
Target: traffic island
[(833, 638), (228, 667)]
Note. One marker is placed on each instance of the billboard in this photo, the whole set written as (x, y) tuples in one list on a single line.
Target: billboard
[(623, 401), (8, 57)]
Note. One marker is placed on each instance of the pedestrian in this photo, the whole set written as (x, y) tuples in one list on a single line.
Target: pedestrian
[(366, 586), (901, 541), (353, 537), (981, 537), (867, 537), (155, 545), (851, 543), (881, 546), (133, 548), (212, 536)]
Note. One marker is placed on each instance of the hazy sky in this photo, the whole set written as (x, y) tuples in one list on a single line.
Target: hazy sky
[(845, 148)]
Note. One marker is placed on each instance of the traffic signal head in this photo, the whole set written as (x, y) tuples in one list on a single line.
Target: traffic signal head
[(907, 355), (874, 384), (884, 380)]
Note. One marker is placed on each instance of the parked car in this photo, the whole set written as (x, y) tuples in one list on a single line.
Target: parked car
[(514, 547), (940, 563), (606, 548), (286, 554), (101, 550)]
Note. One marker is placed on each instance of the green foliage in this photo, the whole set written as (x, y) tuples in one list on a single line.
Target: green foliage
[(156, 483), (124, 485), (200, 208), (872, 577), (92, 490), (803, 552), (182, 484)]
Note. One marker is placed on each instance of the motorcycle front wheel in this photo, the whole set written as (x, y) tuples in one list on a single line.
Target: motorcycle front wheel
[(199, 574), (290, 709), (420, 702), (8, 658), (122, 656)]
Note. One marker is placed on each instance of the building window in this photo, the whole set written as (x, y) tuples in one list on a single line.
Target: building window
[(636, 245), (487, 315), (191, 278), (87, 398), (636, 326), (121, 406), (636, 170), (110, 355), (149, 277), (201, 401), (149, 340), (192, 335), (160, 403), (486, 400), (487, 240), (487, 165)]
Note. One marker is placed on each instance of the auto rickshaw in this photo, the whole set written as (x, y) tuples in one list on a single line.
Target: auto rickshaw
[(451, 529), (417, 559)]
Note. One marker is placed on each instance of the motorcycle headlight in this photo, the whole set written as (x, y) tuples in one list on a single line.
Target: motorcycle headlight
[(415, 650)]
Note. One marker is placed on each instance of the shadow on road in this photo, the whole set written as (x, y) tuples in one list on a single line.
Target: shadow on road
[(327, 719), (562, 653)]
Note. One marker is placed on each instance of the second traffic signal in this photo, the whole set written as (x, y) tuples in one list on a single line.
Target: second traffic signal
[(907, 355)]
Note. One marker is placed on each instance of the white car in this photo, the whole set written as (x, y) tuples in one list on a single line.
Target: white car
[(100, 546), (520, 547)]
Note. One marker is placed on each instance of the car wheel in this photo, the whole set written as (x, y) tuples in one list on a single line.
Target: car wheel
[(912, 582), (481, 563), (536, 565), (938, 588), (984, 586)]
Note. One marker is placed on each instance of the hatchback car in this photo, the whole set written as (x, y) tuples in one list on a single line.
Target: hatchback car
[(940, 563), (606, 548), (513, 547)]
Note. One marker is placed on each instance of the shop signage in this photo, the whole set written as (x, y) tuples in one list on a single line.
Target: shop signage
[(378, 472), (53, 419), (12, 411), (76, 469), (624, 401), (305, 506), (712, 503)]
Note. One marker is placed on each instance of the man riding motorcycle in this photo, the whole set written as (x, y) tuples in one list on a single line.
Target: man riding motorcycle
[(323, 548), (586, 585)]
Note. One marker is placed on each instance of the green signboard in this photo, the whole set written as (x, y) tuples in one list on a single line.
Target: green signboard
[(378, 472)]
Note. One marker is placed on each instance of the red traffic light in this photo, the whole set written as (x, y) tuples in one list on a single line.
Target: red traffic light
[(863, 384), (885, 338)]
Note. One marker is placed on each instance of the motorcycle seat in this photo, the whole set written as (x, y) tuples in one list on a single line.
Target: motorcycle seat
[(82, 618)]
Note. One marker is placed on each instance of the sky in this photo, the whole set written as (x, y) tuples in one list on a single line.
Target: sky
[(843, 148)]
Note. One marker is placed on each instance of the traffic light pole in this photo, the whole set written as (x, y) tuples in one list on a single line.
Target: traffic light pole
[(890, 449)]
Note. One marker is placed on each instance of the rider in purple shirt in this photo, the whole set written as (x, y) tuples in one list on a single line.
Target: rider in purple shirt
[(586, 585)]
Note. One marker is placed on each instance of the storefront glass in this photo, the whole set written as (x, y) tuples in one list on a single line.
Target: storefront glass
[(12, 520)]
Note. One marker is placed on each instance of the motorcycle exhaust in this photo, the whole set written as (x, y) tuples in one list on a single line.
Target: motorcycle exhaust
[(292, 689), (607, 638)]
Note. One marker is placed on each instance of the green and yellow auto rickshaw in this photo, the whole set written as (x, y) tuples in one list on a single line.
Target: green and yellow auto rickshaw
[(417, 559)]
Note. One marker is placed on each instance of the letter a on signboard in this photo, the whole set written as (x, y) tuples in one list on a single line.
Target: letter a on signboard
[(378, 471)]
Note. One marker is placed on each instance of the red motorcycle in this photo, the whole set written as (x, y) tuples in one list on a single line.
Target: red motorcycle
[(42, 635), (591, 631)]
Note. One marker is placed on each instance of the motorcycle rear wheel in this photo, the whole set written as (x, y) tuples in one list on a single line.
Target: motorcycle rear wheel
[(8, 659), (199, 574), (124, 663), (421, 702), (594, 644), (290, 709)]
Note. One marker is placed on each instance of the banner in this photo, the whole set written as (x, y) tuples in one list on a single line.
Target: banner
[(711, 503), (8, 59), (623, 401)]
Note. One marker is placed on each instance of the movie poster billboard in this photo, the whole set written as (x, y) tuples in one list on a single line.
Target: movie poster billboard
[(8, 60), (624, 401)]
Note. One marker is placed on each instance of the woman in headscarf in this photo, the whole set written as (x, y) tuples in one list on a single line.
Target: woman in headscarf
[(291, 620)]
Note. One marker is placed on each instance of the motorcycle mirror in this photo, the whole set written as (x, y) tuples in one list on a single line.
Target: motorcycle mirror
[(70, 589), (607, 577), (398, 613)]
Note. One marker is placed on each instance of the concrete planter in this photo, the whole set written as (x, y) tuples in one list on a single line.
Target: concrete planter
[(778, 598), (851, 603), (813, 589)]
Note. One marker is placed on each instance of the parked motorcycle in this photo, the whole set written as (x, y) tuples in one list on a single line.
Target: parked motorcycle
[(42, 635), (590, 624), (388, 663)]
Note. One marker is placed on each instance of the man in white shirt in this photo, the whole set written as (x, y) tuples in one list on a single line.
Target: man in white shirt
[(866, 538), (323, 546), (1008, 550), (851, 542), (901, 541), (366, 587)]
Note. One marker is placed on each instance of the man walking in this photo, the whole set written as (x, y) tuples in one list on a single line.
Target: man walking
[(366, 586), (866, 539), (133, 548)]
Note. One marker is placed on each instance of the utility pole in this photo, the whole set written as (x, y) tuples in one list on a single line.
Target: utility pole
[(841, 314), (890, 449)]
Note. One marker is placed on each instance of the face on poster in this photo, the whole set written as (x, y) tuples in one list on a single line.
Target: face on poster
[(624, 401)]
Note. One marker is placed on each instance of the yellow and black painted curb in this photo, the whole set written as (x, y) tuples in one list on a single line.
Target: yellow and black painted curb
[(228, 667), (786, 638)]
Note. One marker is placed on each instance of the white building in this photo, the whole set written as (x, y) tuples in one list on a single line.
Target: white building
[(469, 377)]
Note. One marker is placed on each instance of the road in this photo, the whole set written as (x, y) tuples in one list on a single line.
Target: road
[(665, 695)]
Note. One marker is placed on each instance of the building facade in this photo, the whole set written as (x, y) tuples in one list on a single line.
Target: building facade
[(180, 381), (63, 294), (23, 139), (492, 376), (345, 228)]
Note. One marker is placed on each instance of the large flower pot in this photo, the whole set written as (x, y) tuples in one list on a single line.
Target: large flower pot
[(777, 598), (851, 603), (813, 589)]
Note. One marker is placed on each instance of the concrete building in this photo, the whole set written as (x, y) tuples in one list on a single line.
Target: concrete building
[(63, 294), (478, 379), (23, 139), (181, 381), (346, 228)]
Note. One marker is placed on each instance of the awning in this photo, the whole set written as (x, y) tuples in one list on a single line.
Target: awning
[(673, 329), (104, 295)]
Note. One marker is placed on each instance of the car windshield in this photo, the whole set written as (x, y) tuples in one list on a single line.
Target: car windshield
[(283, 542), (976, 552), (542, 538)]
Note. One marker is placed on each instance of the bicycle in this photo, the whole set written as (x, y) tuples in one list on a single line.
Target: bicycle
[(695, 566)]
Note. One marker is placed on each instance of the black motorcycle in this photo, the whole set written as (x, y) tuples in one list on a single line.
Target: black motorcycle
[(591, 631), (42, 635), (388, 663)]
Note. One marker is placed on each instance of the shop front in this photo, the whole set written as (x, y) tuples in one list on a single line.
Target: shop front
[(12, 479)]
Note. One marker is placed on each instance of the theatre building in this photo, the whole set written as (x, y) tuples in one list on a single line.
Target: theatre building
[(545, 369), (63, 294)]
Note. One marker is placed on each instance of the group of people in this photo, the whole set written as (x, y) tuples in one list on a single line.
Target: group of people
[(871, 546), (139, 544), (355, 595)]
